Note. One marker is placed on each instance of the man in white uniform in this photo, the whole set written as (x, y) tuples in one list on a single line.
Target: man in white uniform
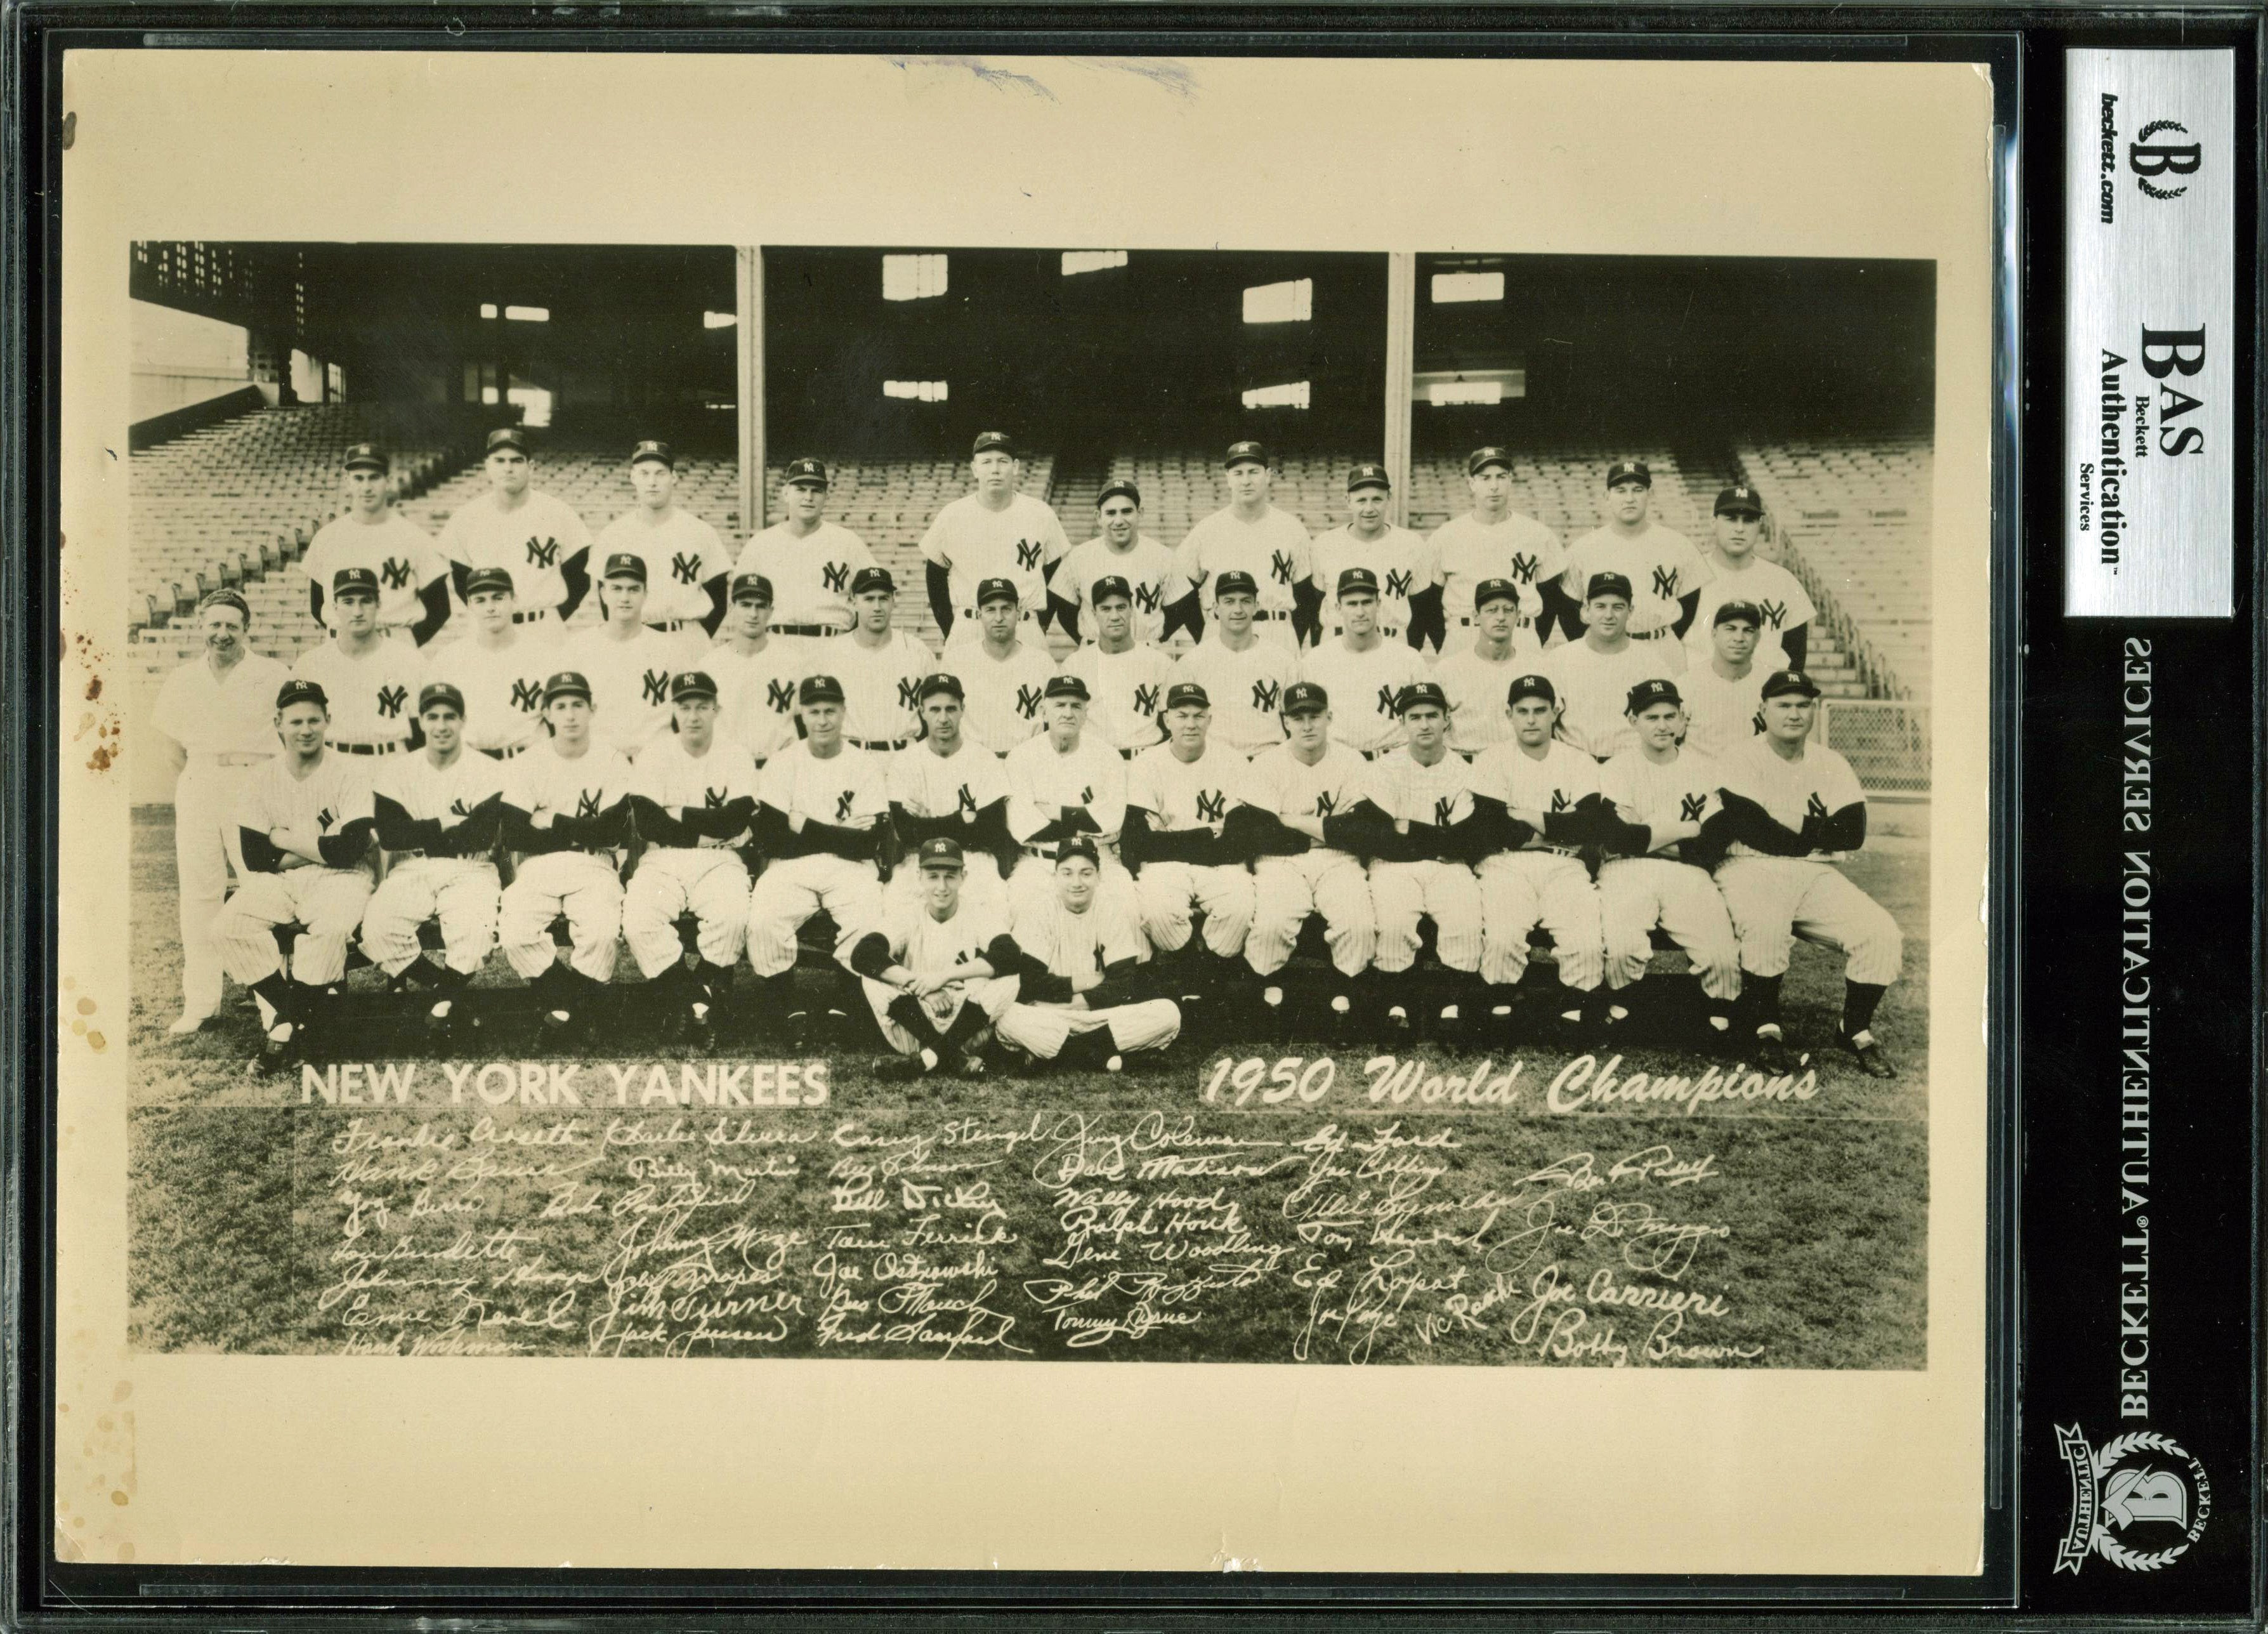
[(1421, 866), (1126, 678), (946, 787), (994, 533), (1176, 846), (1724, 694), (1005, 675), (1660, 562), (1494, 542), (1250, 539), (1782, 605), (1245, 674), (880, 669), (1362, 668), (539, 539), (809, 560), (627, 662), (411, 573), (1593, 677), (1063, 784), (1120, 553), (304, 828), (498, 669), (1080, 1001), (940, 972), (369, 681), (756, 671), (217, 713), (1475, 677), (685, 561), (1400, 561)]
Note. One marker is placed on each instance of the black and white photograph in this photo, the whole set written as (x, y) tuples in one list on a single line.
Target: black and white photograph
[(1063, 804)]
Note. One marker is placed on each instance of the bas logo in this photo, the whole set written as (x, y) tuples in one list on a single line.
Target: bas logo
[(685, 569), (1027, 701), (1523, 568), (1212, 807), (780, 695), (390, 699), (843, 803), (2147, 159), (526, 695), (909, 692), (1279, 567), (1264, 694), (1145, 700), (1773, 612), (1689, 807), (2139, 1501), (542, 552), (1027, 553), (586, 803), (1665, 583), (655, 686), (395, 572), (836, 576), (1397, 582)]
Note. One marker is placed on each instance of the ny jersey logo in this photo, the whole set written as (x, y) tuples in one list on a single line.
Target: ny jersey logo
[(526, 695), (1211, 806), (655, 684), (713, 798), (1147, 598), (1814, 806), (1327, 803), (962, 957), (395, 572), (1145, 700), (323, 820), (1397, 582), (390, 699), (843, 800), (1665, 583), (1086, 796), (456, 807), (836, 576), (1385, 700), (685, 569), (1757, 722), (1559, 800), (1444, 810), (1027, 553), (1264, 694), (1279, 567), (1027, 701), (1689, 807), (586, 801), (909, 692), (780, 695), (965, 802), (1524, 566), (1773, 612), (542, 552)]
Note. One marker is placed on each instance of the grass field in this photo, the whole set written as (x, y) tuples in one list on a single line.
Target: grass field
[(1077, 1214)]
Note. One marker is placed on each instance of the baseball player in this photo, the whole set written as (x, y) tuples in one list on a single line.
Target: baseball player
[(217, 713), (1400, 561), (946, 786), (1120, 552), (1079, 998), (880, 669), (439, 817), (685, 561), (1363, 666), (1492, 541), (539, 539), (1724, 696), (368, 680), (1666, 832), (400, 556), (1176, 846), (1006, 676), (1741, 575), (1126, 678), (304, 828), (627, 662), (693, 800), (1246, 674), (756, 671), (1475, 677), (1061, 784), (994, 533), (1540, 805), (940, 973), (1248, 538), (823, 823), (808, 559), (1593, 677), (566, 812), (498, 669), (1421, 865), (1668, 572), (1795, 811), (1311, 804)]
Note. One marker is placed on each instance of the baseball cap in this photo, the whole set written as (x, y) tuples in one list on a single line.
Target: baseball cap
[(651, 449), (1494, 590), (1235, 581), (1420, 693), (1187, 694), (819, 689), (1246, 454), (991, 590), (941, 682), (1733, 612), (355, 581), (942, 854), (1739, 500), (1357, 579), (988, 441), (1109, 586), (806, 470), (364, 454), (488, 579), (299, 690), (1607, 584), (1647, 694), (567, 683), (439, 692), (1780, 682), (1078, 846), (625, 564), (1306, 697), (1112, 490), (1480, 459), (691, 683), (507, 437), (1530, 685), (752, 588), (872, 579), (226, 598), (1061, 686), (1629, 470), (1369, 476)]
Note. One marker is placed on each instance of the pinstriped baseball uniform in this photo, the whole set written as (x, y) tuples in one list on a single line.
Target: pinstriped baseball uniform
[(1469, 550), (811, 573), (1128, 690), (1721, 715), (846, 790), (1638, 893), (533, 542), (1477, 687), (930, 785), (879, 684), (1659, 562), (327, 902), (1363, 686), (629, 681), (398, 550), (1775, 899), (373, 698), (1042, 781), (1778, 595), (1002, 703), (461, 892), (1181, 795), (925, 944), (1540, 883), (1275, 551), (681, 554), (1403, 561), (973, 543), (584, 886), (503, 685), (755, 693), (1594, 688), (1247, 689), (708, 879), (1320, 880), (1068, 944), (1151, 572), (1401, 892)]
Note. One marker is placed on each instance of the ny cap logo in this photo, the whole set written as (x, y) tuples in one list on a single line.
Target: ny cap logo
[(586, 803), (1027, 553), (655, 683), (1264, 694), (685, 569), (1279, 567), (1398, 582), (395, 571), (1773, 612), (1689, 807), (780, 695), (542, 552), (526, 695), (1211, 806), (843, 803), (909, 692), (1665, 583), (1523, 568), (1027, 701), (836, 576), (390, 699), (966, 801), (1145, 700)]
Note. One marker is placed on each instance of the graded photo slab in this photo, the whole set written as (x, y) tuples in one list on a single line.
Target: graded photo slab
[(1339, 806)]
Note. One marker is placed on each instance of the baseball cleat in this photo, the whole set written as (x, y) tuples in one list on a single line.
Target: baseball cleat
[(1772, 1056), (186, 1023), (900, 1069), (1871, 1058), (969, 1064), (280, 1044)]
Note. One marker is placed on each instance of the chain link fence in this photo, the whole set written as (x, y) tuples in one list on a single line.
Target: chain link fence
[(1886, 740)]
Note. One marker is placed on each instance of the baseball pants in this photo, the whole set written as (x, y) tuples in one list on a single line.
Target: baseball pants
[(581, 884), (1167, 890), (711, 882), (460, 891), (1401, 892), (1520, 891), (326, 903), (205, 850), (1045, 1029), (1775, 899), (1638, 893), (1031, 888), (993, 995), (981, 884), (792, 889), (1287, 889)]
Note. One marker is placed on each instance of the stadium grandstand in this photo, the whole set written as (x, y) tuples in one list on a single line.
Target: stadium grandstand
[(257, 365)]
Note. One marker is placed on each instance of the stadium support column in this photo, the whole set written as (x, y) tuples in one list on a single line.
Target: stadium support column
[(1401, 347), (748, 328)]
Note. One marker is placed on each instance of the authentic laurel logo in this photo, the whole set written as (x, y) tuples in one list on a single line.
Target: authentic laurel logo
[(2139, 1501)]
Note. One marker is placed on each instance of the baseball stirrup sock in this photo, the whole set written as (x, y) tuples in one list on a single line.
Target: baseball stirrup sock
[(1761, 996), (907, 1011), (1859, 999)]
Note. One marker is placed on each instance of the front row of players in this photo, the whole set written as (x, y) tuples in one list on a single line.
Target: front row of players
[(1063, 903)]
